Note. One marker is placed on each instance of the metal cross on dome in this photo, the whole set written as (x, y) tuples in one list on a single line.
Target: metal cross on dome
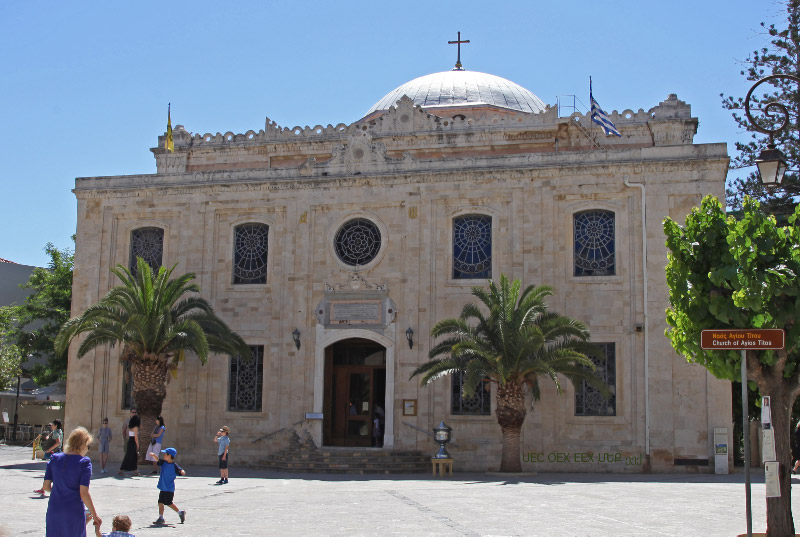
[(458, 42)]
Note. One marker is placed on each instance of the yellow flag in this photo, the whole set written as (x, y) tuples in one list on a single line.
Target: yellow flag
[(169, 145)]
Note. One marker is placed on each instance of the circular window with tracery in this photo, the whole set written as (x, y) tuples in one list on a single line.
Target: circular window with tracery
[(357, 242)]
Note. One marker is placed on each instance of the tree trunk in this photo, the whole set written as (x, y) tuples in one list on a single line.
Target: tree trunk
[(782, 393), (510, 416), (779, 510), (149, 391)]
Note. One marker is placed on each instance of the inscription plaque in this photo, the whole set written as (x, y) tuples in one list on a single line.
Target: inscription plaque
[(356, 312)]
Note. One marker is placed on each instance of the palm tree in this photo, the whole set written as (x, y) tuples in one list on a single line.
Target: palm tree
[(518, 342), (156, 320)]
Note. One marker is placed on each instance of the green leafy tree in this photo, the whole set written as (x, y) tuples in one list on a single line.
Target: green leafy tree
[(518, 342), (728, 273), (31, 327), (10, 354), (781, 56), (156, 320)]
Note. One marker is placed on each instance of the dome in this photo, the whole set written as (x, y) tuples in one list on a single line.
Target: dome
[(463, 88)]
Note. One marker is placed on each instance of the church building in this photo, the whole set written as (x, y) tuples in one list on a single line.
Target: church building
[(332, 250)]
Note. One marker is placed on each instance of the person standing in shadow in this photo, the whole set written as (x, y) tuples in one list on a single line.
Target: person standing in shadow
[(131, 461)]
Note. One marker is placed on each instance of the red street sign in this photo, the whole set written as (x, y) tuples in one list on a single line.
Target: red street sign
[(742, 339)]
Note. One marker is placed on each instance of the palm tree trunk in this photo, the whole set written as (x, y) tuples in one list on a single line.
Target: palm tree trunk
[(149, 391), (510, 416)]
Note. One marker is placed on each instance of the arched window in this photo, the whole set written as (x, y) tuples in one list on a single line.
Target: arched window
[(250, 253), (357, 242), (147, 243), (594, 243), (472, 247)]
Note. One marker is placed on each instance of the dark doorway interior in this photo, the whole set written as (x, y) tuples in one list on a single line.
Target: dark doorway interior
[(355, 393)]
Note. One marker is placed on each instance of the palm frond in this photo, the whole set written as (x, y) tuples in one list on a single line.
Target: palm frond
[(152, 314), (508, 337)]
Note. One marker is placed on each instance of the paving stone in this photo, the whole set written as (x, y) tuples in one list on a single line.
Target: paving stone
[(263, 503)]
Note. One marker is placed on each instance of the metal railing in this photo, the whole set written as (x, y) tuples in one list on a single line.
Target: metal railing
[(282, 429), (420, 429)]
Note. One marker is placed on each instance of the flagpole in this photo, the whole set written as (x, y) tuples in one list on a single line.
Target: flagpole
[(169, 145)]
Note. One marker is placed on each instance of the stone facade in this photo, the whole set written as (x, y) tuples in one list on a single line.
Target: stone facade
[(411, 172)]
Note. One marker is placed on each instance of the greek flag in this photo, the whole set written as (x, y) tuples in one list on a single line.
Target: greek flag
[(600, 117)]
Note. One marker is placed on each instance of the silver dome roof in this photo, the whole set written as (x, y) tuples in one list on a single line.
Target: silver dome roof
[(458, 88)]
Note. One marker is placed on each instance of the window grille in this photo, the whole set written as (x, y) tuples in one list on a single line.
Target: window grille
[(147, 243), (590, 402), (250, 253), (357, 242), (479, 404), (594, 243), (247, 381), (472, 247)]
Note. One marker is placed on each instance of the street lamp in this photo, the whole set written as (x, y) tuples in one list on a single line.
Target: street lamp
[(771, 164), (771, 161)]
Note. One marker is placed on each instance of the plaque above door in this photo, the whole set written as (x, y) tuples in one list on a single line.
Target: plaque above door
[(357, 304)]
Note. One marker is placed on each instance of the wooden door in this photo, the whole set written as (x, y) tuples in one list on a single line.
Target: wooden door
[(351, 405)]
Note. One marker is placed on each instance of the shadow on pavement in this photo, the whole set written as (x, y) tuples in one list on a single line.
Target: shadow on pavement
[(34, 465)]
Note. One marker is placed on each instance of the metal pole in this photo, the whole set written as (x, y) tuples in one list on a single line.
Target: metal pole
[(746, 430), (16, 404)]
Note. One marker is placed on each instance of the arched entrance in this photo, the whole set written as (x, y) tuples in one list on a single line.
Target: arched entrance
[(354, 393)]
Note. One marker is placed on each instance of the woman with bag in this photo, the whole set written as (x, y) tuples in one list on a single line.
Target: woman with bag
[(156, 439)]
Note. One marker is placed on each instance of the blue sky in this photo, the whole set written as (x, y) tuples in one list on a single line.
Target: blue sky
[(84, 87)]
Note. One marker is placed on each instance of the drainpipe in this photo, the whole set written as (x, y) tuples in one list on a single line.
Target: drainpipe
[(646, 327)]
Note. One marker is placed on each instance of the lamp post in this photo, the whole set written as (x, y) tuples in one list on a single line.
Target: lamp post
[(771, 161), (772, 165)]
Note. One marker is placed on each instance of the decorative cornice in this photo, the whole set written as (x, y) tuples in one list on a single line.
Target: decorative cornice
[(407, 118), (672, 160), (356, 283)]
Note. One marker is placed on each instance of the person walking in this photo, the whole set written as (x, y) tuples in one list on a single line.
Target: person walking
[(104, 444), (156, 439), (166, 483), (68, 475), (796, 449), (223, 443), (131, 461)]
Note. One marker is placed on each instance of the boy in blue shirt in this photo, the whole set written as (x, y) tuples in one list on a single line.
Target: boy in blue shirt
[(166, 483)]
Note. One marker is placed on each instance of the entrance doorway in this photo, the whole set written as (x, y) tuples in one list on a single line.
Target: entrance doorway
[(355, 393)]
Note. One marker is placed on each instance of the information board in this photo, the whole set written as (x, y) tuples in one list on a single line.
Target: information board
[(742, 339)]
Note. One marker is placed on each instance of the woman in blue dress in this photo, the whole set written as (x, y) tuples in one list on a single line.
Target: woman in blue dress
[(68, 475)]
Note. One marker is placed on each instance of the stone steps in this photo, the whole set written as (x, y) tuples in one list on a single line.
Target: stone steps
[(347, 461)]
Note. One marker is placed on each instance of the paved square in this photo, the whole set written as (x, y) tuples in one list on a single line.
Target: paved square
[(258, 503)]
